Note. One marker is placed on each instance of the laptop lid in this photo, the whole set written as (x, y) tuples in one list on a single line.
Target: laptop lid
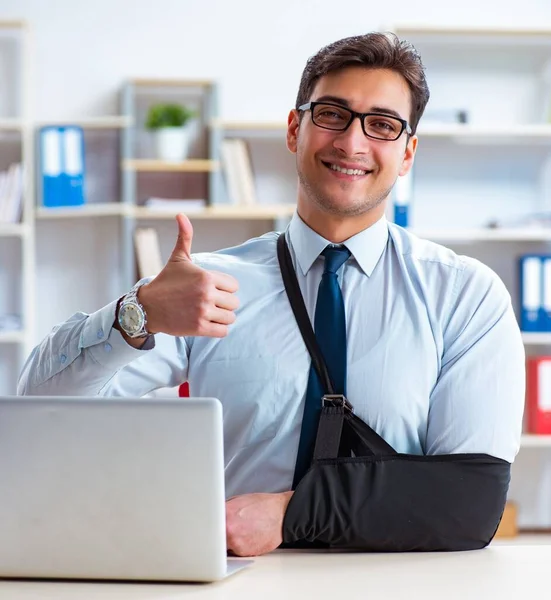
[(112, 488)]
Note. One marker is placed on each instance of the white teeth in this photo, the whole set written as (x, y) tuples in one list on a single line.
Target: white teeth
[(348, 171)]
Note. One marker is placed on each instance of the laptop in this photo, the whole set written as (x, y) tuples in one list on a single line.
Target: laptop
[(113, 489)]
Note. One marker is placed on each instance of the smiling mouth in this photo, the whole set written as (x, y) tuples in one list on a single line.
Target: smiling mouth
[(338, 169)]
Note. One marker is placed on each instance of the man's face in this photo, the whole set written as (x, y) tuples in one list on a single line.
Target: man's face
[(320, 151)]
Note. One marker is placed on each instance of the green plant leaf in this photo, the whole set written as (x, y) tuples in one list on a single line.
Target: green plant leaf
[(168, 115)]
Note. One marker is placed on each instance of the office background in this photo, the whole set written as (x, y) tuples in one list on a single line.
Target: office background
[(80, 54)]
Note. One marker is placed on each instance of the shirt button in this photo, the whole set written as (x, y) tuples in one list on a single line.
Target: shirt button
[(100, 334), (107, 347), (63, 359)]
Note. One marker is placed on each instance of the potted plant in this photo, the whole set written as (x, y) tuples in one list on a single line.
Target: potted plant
[(168, 122)]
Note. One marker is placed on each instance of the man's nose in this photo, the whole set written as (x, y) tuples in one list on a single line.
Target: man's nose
[(352, 140)]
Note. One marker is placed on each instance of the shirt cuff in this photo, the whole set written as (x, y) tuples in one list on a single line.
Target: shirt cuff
[(107, 345)]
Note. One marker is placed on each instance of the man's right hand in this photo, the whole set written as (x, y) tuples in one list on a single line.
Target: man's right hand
[(186, 300)]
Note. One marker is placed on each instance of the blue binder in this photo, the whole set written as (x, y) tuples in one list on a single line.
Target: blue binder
[(532, 313), (546, 293), (402, 195), (62, 166)]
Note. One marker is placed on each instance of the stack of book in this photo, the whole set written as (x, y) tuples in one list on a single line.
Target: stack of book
[(236, 163), (11, 194)]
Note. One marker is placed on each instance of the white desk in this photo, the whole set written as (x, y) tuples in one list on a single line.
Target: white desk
[(498, 572)]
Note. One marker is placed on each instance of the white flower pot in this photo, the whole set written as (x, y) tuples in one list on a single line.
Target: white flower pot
[(171, 143)]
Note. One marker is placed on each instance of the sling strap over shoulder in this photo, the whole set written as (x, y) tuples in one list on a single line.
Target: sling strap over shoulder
[(357, 438)]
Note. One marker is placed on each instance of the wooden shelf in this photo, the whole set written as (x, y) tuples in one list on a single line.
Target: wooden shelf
[(490, 134), (107, 122), (13, 24), (257, 212), (520, 234), (529, 440), (156, 83), (261, 126), (537, 133), (13, 229), (107, 209), (187, 166), (11, 125), (536, 338), (405, 30), (12, 337)]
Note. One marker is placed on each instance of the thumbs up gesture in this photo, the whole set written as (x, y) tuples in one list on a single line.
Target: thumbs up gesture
[(186, 300)]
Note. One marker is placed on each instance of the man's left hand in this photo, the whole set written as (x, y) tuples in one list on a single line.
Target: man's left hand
[(254, 523)]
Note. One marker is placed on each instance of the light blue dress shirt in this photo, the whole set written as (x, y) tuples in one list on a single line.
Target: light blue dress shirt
[(435, 355)]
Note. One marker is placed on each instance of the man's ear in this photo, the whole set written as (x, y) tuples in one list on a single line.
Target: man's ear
[(293, 122), (409, 156)]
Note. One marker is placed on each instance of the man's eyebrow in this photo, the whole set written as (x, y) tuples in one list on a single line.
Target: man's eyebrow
[(376, 109)]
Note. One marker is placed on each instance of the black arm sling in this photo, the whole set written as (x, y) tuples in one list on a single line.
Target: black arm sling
[(360, 494)]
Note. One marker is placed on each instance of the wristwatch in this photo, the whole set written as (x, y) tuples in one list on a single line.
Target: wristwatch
[(132, 318)]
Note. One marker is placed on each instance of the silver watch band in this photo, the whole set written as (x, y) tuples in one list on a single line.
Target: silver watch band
[(132, 298)]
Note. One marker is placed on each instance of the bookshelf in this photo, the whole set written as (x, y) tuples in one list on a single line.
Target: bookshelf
[(475, 183), (17, 277)]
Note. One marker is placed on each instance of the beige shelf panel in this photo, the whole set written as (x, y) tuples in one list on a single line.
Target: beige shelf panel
[(529, 440), (12, 337), (250, 125), (13, 24), (258, 212), (477, 133), (536, 339), (11, 124), (188, 166), (13, 229), (106, 122), (525, 234), (156, 83), (106, 209), (470, 31)]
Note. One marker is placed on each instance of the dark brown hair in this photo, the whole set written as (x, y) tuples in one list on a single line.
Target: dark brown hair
[(372, 50)]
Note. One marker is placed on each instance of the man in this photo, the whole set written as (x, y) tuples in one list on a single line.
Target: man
[(433, 359)]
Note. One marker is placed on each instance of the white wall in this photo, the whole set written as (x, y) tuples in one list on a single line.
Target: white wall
[(254, 48), (256, 51)]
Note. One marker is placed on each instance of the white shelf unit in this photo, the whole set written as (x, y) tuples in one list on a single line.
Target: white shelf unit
[(17, 239), (475, 184), (141, 171)]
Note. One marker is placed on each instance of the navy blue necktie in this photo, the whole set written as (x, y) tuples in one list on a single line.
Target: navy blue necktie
[(330, 330)]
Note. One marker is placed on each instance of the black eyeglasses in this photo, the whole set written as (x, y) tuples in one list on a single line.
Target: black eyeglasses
[(374, 125)]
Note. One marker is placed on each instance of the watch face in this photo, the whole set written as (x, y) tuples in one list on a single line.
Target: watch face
[(131, 318)]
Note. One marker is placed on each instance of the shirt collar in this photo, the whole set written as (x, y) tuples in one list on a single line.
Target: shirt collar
[(366, 246)]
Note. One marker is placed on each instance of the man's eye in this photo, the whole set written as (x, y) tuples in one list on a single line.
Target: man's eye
[(328, 114), (383, 125)]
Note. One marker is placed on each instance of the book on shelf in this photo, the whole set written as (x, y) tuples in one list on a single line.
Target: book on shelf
[(402, 195), (62, 166), (535, 292), (238, 172), (148, 252), (538, 394), (11, 194), (176, 205)]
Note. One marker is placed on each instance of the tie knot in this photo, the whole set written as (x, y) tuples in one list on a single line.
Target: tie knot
[(335, 257)]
